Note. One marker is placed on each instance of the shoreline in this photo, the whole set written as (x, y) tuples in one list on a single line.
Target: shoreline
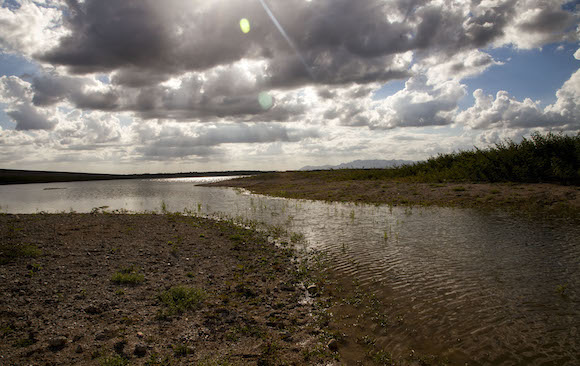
[(542, 199), (104, 289)]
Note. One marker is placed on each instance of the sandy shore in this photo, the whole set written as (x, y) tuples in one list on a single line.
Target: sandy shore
[(543, 199), (101, 290)]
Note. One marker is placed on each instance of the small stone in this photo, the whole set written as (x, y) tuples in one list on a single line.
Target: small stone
[(57, 342), (140, 350), (312, 289), (333, 345), (79, 349), (140, 335)]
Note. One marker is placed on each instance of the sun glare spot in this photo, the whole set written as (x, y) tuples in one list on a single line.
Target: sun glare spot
[(245, 25)]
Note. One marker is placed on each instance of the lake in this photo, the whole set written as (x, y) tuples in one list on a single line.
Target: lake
[(486, 288)]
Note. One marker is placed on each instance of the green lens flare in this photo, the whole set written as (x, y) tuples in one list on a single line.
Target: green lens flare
[(265, 100), (245, 25)]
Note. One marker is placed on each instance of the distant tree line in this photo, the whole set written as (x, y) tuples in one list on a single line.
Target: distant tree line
[(541, 158)]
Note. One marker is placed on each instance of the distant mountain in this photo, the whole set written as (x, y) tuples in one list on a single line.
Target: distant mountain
[(361, 164)]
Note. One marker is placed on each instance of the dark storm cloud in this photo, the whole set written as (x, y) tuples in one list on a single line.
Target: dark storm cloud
[(165, 37), (336, 43), (342, 41), (52, 89), (549, 20), (28, 118)]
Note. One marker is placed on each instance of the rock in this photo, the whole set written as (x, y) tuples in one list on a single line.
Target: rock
[(79, 349), (333, 345), (140, 350), (57, 342), (104, 335), (140, 335), (312, 290)]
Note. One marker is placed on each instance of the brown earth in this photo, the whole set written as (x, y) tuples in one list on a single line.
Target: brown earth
[(542, 198), (60, 305)]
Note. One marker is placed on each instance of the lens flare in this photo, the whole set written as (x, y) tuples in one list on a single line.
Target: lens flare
[(245, 25), (265, 100)]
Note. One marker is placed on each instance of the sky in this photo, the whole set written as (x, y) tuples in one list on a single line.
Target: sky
[(146, 86)]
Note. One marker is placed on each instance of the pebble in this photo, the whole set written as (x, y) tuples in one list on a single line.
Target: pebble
[(140, 335), (79, 349), (333, 345), (312, 289)]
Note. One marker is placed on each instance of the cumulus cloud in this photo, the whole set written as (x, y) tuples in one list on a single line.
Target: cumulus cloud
[(538, 22), (29, 118), (504, 111), (440, 68), (419, 104), (189, 61), (32, 27)]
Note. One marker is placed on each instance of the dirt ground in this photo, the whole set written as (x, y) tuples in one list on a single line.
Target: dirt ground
[(87, 289), (542, 199)]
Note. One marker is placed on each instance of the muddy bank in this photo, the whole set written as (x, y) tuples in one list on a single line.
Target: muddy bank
[(544, 199), (150, 290)]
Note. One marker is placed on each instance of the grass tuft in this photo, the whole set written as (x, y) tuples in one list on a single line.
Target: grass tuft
[(10, 252), (113, 361), (128, 276), (182, 298)]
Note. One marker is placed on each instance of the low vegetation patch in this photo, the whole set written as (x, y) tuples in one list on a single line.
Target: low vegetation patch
[(179, 299), (128, 276), (113, 361), (10, 252)]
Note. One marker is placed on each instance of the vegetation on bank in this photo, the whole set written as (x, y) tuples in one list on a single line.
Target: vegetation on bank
[(549, 158)]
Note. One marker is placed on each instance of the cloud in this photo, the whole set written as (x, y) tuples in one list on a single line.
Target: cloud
[(34, 26), (189, 61), (27, 117), (14, 89), (440, 68), (83, 93), (538, 22), (191, 82), (504, 111)]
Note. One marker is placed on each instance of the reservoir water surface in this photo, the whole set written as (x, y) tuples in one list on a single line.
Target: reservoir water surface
[(487, 288)]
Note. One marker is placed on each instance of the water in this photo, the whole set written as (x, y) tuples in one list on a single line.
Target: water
[(472, 286)]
